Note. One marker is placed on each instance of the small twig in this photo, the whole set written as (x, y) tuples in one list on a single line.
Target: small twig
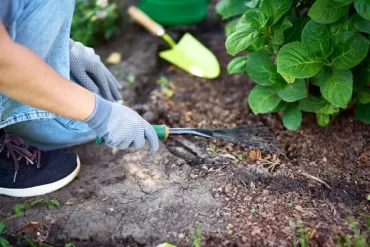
[(317, 179), (272, 167)]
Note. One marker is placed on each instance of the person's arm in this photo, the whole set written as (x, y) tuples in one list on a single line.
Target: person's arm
[(28, 79)]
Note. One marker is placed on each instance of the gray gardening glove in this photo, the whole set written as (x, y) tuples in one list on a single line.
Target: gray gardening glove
[(121, 127), (88, 71)]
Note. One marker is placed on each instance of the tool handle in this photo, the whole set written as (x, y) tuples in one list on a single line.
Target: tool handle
[(144, 20), (162, 131)]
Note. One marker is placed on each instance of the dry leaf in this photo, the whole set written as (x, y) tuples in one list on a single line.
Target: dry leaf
[(30, 227), (114, 58)]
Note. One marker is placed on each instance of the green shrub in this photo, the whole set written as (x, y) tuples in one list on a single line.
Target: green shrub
[(305, 56), (95, 21)]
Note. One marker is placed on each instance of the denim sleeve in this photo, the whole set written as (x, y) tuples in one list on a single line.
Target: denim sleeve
[(10, 10)]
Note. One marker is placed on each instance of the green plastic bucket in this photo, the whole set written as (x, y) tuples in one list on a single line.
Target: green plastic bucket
[(175, 12)]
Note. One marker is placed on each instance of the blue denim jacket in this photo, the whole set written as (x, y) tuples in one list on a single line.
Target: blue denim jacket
[(30, 23)]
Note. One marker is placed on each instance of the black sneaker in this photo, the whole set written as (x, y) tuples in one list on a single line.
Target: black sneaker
[(27, 171)]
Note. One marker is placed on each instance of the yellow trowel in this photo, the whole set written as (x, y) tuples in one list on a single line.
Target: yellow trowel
[(188, 54)]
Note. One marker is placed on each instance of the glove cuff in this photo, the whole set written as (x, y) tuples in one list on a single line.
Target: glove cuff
[(101, 113)]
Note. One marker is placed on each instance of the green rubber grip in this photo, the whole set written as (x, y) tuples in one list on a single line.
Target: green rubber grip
[(161, 130)]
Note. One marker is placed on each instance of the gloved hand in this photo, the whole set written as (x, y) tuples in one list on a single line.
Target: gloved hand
[(88, 71), (120, 126)]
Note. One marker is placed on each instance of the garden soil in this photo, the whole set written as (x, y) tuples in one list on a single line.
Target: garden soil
[(238, 196)]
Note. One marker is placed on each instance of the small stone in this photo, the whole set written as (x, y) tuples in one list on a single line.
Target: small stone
[(265, 192), (181, 235), (192, 175), (205, 168), (324, 159), (217, 195), (229, 226)]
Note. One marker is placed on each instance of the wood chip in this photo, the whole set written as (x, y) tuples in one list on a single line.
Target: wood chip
[(255, 155), (313, 233), (114, 58), (229, 156), (299, 208)]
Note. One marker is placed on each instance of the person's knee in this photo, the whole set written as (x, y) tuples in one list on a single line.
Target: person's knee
[(48, 10)]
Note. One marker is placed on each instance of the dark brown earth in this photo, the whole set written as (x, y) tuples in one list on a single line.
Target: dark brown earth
[(139, 198)]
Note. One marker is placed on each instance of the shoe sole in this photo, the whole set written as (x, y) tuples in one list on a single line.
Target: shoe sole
[(43, 189)]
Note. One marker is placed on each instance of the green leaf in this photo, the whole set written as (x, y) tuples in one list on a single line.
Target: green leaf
[(240, 40), (55, 202), (288, 79), (4, 242), (260, 67), (363, 97), (293, 91), (230, 8), (253, 211), (29, 241), (2, 227), (319, 79), (322, 119), (316, 37), (292, 117), (294, 33), (274, 10), (252, 3), (362, 113), (327, 11), (278, 30), (296, 61), (18, 209), (328, 109), (257, 45), (350, 48), (263, 99), (34, 202), (269, 49), (337, 86), (290, 204), (342, 25), (344, 1), (252, 18), (363, 8), (280, 106), (237, 65), (230, 26), (311, 104), (360, 24), (277, 80), (69, 245)]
